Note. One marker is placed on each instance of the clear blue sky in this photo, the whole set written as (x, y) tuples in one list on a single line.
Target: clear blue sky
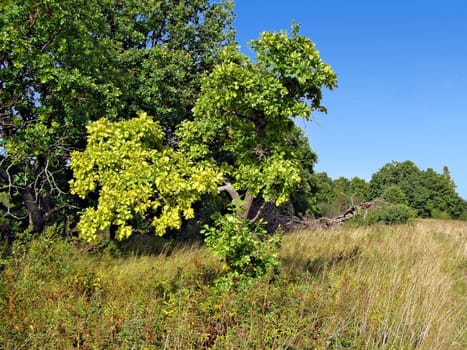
[(402, 69)]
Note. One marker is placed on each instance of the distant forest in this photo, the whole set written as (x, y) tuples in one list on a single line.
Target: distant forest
[(426, 193)]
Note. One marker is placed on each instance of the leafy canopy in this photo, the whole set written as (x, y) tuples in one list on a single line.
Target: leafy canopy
[(137, 177), (243, 118), (426, 191), (242, 133), (65, 63)]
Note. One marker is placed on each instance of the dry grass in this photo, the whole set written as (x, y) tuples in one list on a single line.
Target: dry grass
[(382, 287), (392, 287)]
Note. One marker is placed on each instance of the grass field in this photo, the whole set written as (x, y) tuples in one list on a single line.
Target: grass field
[(379, 287)]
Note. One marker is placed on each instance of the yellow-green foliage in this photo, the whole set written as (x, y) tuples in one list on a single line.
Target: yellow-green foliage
[(380, 287), (135, 176), (243, 117)]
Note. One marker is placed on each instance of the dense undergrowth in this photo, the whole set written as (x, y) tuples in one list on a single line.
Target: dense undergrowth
[(378, 287)]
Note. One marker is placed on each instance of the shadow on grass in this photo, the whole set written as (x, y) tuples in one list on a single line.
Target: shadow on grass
[(316, 266), (148, 244)]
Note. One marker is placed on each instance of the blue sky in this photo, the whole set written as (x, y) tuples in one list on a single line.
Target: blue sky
[(402, 69)]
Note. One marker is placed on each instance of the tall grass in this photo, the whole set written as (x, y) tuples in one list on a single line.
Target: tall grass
[(380, 287), (389, 287)]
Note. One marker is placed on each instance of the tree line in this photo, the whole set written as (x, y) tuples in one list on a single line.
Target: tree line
[(426, 193)]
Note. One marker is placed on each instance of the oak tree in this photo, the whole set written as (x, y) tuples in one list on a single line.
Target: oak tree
[(244, 117), (66, 63), (242, 133)]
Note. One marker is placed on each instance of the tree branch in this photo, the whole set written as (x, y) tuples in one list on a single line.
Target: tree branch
[(230, 190), (246, 206), (243, 206), (260, 211), (60, 207)]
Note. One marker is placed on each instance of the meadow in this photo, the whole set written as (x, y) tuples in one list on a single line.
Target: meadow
[(377, 287)]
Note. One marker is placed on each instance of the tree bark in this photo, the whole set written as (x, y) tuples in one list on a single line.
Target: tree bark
[(35, 212), (244, 206)]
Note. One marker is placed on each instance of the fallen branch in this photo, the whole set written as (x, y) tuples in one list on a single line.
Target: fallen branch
[(294, 223)]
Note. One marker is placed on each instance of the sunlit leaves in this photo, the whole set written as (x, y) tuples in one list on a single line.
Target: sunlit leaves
[(136, 177), (244, 115), (296, 62)]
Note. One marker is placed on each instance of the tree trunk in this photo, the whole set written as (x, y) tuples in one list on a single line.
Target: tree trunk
[(35, 212), (244, 206)]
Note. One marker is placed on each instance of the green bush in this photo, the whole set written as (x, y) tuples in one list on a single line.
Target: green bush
[(389, 214), (246, 248), (392, 214), (440, 214)]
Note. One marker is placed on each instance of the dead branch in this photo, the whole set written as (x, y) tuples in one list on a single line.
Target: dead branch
[(293, 223)]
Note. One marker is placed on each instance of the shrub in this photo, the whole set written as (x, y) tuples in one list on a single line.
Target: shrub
[(245, 247), (392, 214), (389, 214), (440, 214)]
